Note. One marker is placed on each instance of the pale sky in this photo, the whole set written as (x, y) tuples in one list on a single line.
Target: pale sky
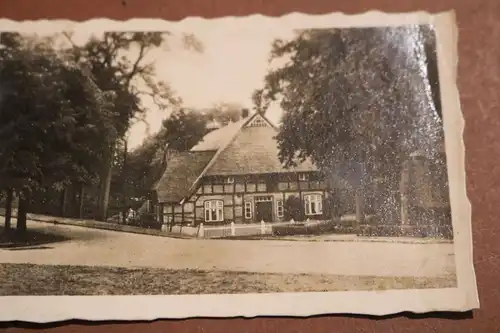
[(232, 65)]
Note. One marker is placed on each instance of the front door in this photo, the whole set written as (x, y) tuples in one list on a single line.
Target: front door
[(264, 209)]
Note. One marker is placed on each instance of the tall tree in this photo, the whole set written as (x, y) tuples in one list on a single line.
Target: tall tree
[(183, 129), (51, 113), (357, 99), (224, 112), (8, 209), (119, 63), (260, 103), (179, 132)]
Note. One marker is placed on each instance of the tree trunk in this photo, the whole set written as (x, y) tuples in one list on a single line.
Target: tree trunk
[(104, 189), (8, 209), (64, 202), (104, 186), (73, 199), (405, 192), (394, 194), (334, 206), (123, 179), (360, 209), (81, 194), (22, 212)]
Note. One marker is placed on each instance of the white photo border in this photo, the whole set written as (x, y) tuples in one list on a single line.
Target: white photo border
[(44, 309)]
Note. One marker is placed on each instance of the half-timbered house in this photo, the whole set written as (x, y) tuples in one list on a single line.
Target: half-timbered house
[(234, 175)]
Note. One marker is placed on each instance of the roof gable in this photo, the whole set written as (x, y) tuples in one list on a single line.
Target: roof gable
[(259, 120), (253, 150)]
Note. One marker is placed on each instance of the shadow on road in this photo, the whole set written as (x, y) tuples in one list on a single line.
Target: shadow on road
[(32, 239)]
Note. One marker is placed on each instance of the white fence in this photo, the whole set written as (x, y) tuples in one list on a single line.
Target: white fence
[(183, 230), (230, 230)]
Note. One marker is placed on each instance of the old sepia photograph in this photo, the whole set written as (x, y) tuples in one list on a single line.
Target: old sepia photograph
[(231, 157)]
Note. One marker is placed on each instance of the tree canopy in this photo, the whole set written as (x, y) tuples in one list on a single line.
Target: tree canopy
[(119, 63), (54, 118), (121, 67), (77, 103), (223, 112), (52, 114), (364, 96), (179, 132), (182, 130)]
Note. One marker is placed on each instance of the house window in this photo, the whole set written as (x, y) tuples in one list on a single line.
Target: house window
[(264, 198), (251, 187), (315, 185), (261, 187), (279, 208), (248, 209), (282, 186), (214, 211), (313, 204), (230, 180), (303, 177)]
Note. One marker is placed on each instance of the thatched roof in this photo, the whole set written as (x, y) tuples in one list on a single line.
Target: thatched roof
[(235, 149), (253, 150), (182, 171), (219, 137)]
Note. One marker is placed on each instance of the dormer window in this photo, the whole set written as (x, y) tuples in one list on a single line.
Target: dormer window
[(229, 180), (303, 177)]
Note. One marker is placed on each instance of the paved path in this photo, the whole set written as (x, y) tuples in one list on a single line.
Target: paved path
[(110, 248)]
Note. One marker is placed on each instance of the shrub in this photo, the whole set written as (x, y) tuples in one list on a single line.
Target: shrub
[(293, 209), (147, 220), (422, 231), (316, 229)]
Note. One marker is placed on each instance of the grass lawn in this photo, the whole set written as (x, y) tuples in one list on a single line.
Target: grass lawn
[(28, 279)]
